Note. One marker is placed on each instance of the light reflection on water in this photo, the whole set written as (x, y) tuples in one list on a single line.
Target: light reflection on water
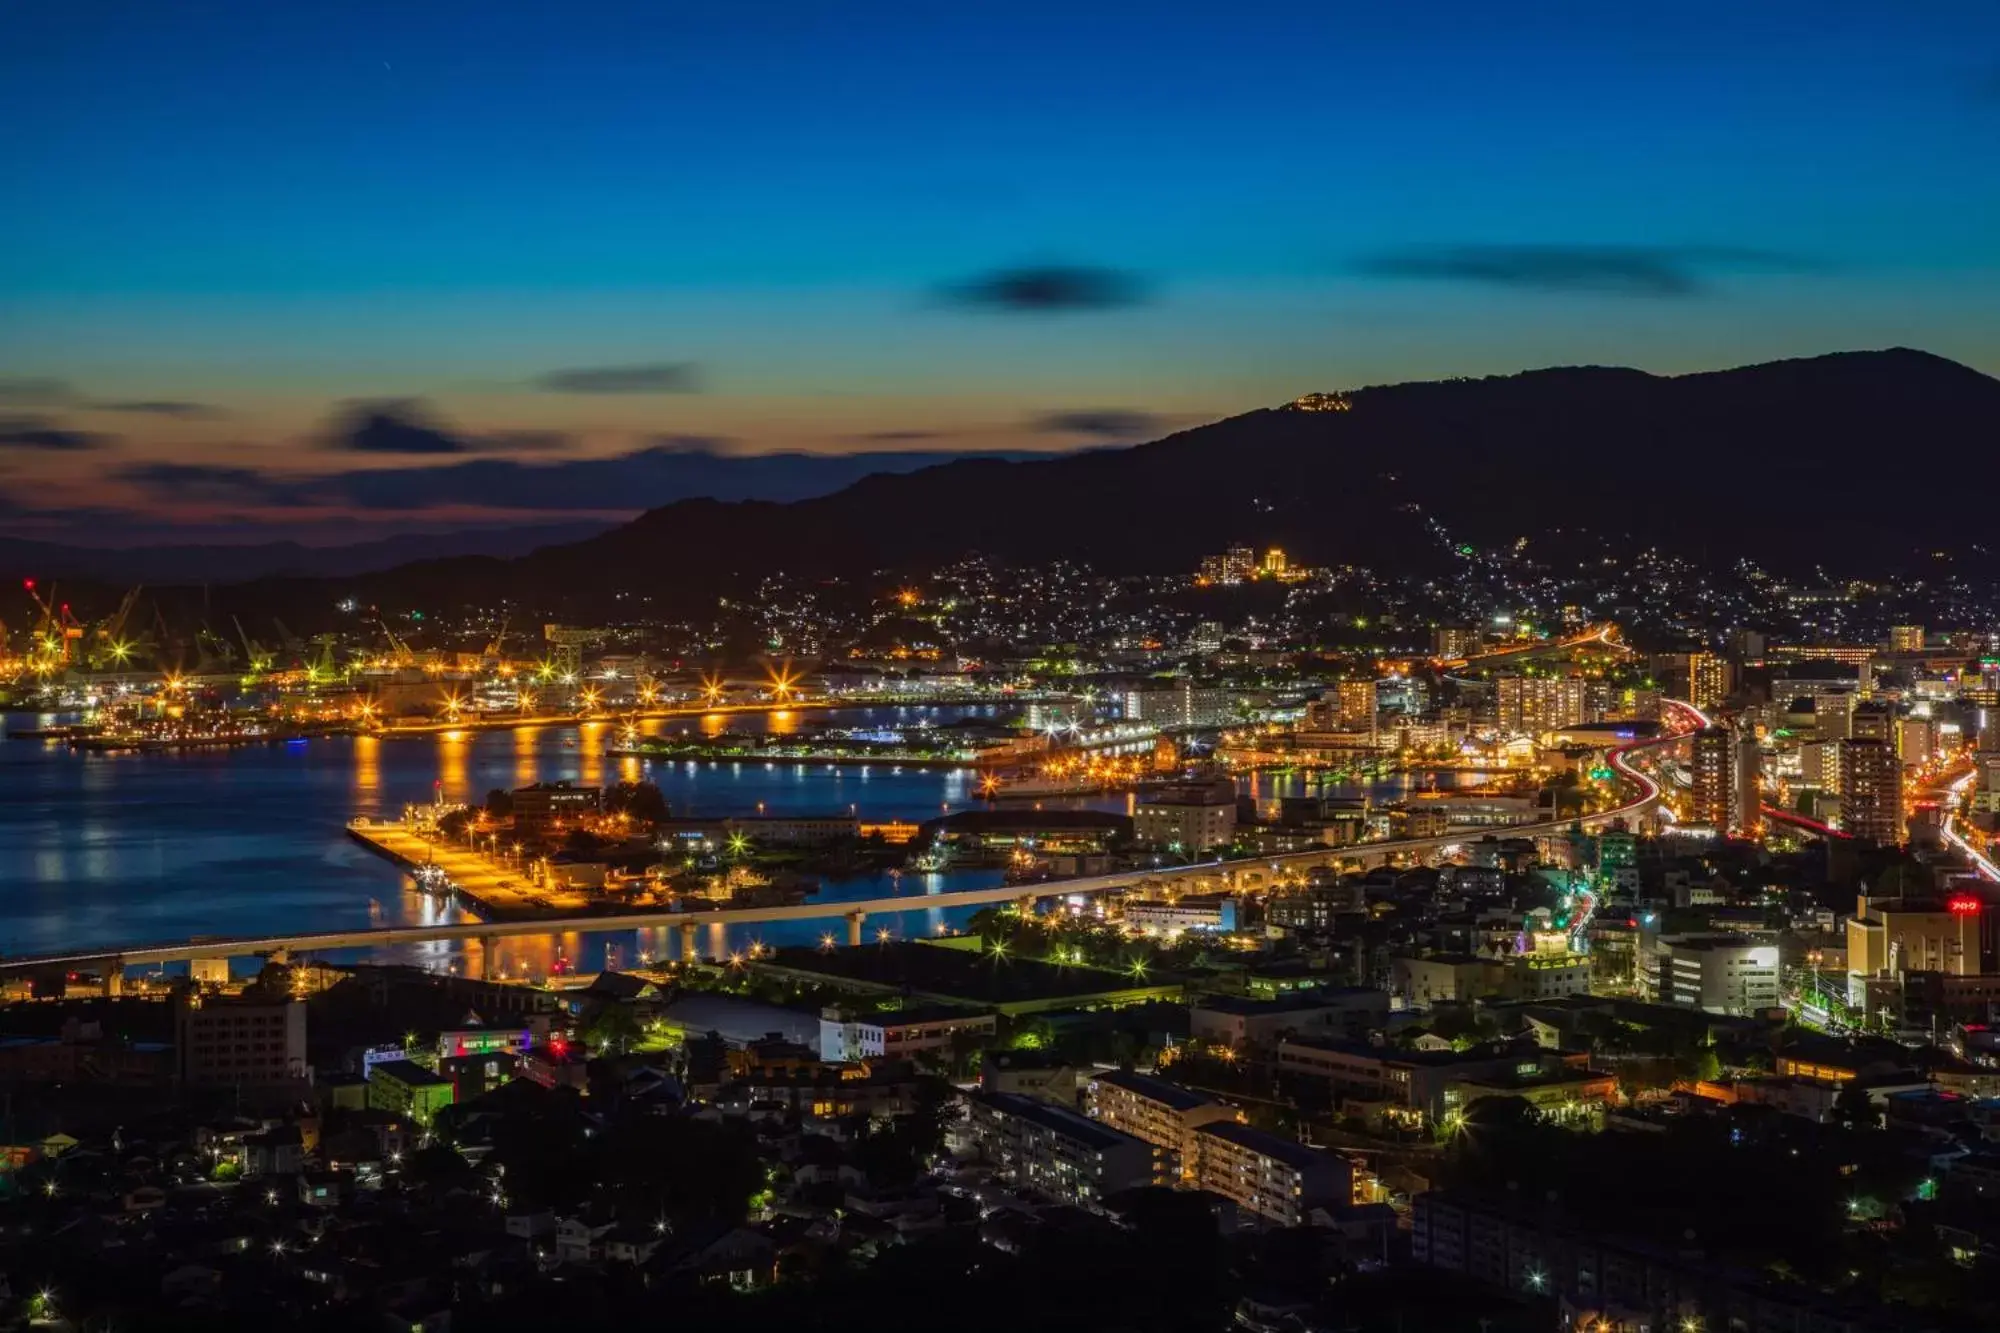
[(97, 850)]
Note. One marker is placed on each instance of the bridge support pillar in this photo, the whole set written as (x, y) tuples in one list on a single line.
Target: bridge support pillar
[(114, 978), (687, 929), (854, 920), (1025, 905)]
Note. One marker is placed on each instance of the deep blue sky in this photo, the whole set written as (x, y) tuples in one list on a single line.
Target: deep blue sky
[(259, 211)]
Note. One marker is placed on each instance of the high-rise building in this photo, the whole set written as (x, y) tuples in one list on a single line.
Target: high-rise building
[(1916, 740), (1833, 714), (1274, 563), (1452, 642), (1871, 790), (1873, 722), (1749, 785), (1357, 706), (1714, 770), (1708, 679), (1531, 704), (1238, 564), (1906, 638)]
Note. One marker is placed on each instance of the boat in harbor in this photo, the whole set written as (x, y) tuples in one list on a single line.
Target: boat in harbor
[(431, 878)]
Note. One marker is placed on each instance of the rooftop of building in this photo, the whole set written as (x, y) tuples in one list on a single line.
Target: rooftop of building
[(1070, 1124), (911, 1015), (1707, 943), (1298, 1001), (409, 1073), (1171, 1095), (1289, 1151), (1478, 1055)]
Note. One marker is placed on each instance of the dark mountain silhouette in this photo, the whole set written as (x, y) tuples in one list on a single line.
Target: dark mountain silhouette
[(1794, 463)]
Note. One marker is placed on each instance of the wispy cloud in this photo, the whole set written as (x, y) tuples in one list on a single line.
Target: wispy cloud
[(896, 436), (1613, 270), (1107, 423), (161, 407), (660, 377), (1048, 289), (214, 483), (44, 435)]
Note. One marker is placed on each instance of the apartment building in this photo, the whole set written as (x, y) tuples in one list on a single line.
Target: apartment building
[(1058, 1153), (1276, 1179), (1162, 1113)]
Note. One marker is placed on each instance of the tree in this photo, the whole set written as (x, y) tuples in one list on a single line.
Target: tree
[(582, 842), (641, 800), (1854, 1108), (613, 1030)]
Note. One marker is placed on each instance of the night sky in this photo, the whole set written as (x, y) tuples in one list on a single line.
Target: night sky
[(254, 256)]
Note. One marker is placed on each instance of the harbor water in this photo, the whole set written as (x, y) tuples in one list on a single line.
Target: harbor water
[(99, 850)]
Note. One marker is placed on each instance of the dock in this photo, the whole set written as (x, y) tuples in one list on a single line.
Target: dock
[(494, 890)]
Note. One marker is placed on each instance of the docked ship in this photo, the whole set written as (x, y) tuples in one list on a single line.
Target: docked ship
[(431, 879)]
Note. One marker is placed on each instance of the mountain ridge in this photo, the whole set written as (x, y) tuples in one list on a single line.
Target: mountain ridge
[(1645, 459)]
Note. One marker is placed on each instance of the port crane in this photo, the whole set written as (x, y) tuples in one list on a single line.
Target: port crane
[(256, 657), (496, 650), (320, 667), (400, 654), (109, 649), (59, 631)]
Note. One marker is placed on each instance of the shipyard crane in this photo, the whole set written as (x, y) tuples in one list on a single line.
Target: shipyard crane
[(293, 647), (400, 653), (256, 657), (320, 667), (109, 648), (59, 631)]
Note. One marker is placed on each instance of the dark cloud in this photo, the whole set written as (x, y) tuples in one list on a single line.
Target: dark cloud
[(162, 407), (45, 435), (1047, 289), (1617, 270), (678, 469), (662, 377), (391, 426), (211, 483), (35, 390), (895, 436), (1108, 423)]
